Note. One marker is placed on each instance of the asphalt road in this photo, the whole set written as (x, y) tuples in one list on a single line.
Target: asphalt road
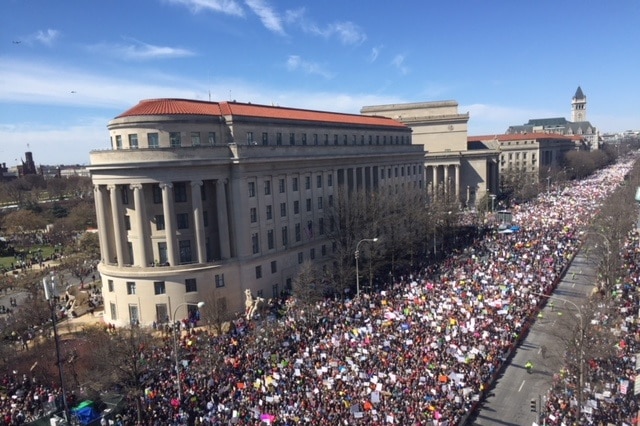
[(509, 402)]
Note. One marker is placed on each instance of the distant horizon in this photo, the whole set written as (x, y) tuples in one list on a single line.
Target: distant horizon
[(62, 79)]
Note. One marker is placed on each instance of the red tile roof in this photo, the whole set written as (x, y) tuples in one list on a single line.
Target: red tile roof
[(193, 107), (519, 137)]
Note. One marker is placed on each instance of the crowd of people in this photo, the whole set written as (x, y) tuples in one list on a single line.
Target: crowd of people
[(420, 352)]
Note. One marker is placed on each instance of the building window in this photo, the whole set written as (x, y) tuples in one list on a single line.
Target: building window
[(326, 139), (274, 267), (195, 138), (300, 257), (110, 285), (319, 203), (304, 139), (296, 207), (127, 222), (295, 184), (158, 287), (252, 189), (157, 194), (270, 239), (267, 187), (323, 250), (162, 253), (330, 200), (190, 285), (250, 140), (112, 308), (308, 200), (285, 236), (330, 180), (282, 186), (258, 272), (174, 140), (255, 243), (319, 181), (335, 139), (298, 233), (253, 215), (133, 141), (278, 138), (152, 140), (180, 192), (182, 220), (292, 138), (315, 139), (283, 209), (124, 194), (205, 219), (269, 212), (307, 182), (312, 253), (131, 287), (265, 138), (219, 279), (159, 222), (185, 251), (118, 142), (321, 225), (212, 138)]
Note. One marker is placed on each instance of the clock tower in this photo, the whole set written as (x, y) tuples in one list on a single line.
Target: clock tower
[(579, 106)]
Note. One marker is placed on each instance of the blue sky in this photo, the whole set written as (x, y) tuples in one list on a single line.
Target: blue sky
[(68, 67)]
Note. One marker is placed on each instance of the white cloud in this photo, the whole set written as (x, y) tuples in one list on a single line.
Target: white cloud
[(228, 7), (347, 32), (267, 15), (140, 51), (45, 37), (295, 63), (375, 52), (398, 62)]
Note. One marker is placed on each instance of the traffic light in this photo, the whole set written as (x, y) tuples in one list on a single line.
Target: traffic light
[(534, 405), (357, 254)]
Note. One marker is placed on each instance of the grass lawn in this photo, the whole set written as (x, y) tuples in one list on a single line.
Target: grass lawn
[(47, 251)]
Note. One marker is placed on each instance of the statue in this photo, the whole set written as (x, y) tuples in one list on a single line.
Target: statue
[(252, 304), (76, 301)]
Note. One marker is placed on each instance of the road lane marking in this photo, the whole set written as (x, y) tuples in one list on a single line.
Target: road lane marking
[(521, 386)]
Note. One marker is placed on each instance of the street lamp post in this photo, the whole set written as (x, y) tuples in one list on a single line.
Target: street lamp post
[(357, 256), (49, 294), (548, 183), (581, 343), (493, 201), (176, 325)]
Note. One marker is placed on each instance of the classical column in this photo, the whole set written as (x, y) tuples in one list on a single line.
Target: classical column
[(169, 223), (116, 216), (103, 228), (223, 221), (446, 179), (196, 203), (138, 203), (434, 182), (457, 177)]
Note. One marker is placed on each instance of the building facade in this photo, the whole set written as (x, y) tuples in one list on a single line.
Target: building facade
[(578, 126), (200, 201), (454, 170), (531, 153)]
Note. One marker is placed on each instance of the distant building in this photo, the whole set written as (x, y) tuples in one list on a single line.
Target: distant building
[(201, 201), (454, 169), (578, 126), (531, 153), (28, 166)]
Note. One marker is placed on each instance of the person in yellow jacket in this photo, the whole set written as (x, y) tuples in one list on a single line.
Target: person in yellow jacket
[(529, 366)]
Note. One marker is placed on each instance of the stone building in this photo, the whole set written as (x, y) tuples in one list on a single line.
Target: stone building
[(455, 170), (200, 201), (578, 126)]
